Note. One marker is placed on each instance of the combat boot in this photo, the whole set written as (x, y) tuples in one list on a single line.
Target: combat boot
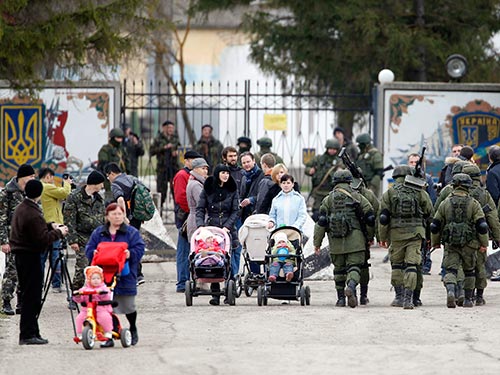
[(363, 294), (350, 292), (398, 300), (479, 297), (459, 293), (7, 308), (408, 299), (416, 298), (468, 298), (450, 296), (340, 298)]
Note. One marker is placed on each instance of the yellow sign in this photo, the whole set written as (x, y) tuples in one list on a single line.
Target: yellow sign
[(274, 121)]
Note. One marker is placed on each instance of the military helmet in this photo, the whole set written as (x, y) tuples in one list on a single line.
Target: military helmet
[(461, 179), (342, 175), (116, 132), (472, 170), (364, 138), (265, 142), (332, 143), (458, 167), (401, 171)]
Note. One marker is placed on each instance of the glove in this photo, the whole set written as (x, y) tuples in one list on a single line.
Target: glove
[(495, 244)]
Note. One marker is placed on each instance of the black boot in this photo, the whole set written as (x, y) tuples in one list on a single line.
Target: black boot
[(450, 296), (363, 294), (459, 293), (468, 298), (408, 299), (416, 298), (479, 297), (340, 298), (7, 308), (350, 292), (398, 299)]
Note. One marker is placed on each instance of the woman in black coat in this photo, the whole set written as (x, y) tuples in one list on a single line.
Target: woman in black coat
[(219, 206)]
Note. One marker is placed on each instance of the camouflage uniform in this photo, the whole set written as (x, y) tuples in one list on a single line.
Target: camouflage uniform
[(404, 211), (344, 215), (10, 198), (265, 144), (460, 224), (323, 164), (82, 214), (359, 186), (371, 162), (113, 152), (166, 164), (211, 150)]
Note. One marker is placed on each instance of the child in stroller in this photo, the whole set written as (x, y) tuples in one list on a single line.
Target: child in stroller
[(210, 263), (284, 248), (95, 287)]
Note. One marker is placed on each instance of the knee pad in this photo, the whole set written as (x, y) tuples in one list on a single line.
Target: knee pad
[(339, 272)]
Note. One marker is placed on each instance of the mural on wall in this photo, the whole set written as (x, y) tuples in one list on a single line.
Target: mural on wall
[(437, 120), (63, 129)]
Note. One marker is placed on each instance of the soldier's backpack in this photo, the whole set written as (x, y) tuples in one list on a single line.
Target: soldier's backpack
[(458, 232), (142, 206)]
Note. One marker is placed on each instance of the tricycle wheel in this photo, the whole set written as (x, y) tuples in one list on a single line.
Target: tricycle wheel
[(125, 337), (88, 339)]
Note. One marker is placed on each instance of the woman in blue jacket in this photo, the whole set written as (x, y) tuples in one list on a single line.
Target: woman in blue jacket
[(288, 207), (115, 230)]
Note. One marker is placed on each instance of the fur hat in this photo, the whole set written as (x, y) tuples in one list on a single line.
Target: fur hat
[(33, 189), (25, 170), (204, 234), (280, 236), (90, 270), (95, 178)]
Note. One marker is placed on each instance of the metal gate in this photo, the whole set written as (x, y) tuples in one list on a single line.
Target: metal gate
[(306, 121)]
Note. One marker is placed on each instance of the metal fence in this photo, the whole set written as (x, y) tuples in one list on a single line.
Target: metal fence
[(237, 109)]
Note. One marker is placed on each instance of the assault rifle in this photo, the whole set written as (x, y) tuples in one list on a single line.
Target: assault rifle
[(355, 171), (418, 167), (418, 179)]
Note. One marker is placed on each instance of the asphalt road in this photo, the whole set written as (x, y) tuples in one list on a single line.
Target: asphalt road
[(278, 338)]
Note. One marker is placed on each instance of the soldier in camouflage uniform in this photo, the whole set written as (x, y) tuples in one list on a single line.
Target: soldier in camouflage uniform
[(209, 147), (164, 147), (371, 162), (83, 212), (322, 168), (348, 219), (460, 224), (404, 212), (113, 152), (360, 187), (10, 197), (265, 144)]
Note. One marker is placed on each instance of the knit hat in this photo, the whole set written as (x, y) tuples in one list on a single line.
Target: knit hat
[(204, 234), (339, 129), (25, 170), (95, 178), (33, 189), (280, 236), (207, 126), (191, 155), (90, 270), (198, 163)]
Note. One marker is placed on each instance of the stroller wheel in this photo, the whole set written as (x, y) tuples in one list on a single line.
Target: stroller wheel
[(231, 292), (88, 339), (308, 295), (125, 337), (239, 285), (261, 296), (189, 294), (248, 289), (302, 293)]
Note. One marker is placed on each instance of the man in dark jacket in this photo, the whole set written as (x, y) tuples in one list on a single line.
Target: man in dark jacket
[(252, 175), (209, 147), (135, 149), (493, 174), (30, 236), (230, 158)]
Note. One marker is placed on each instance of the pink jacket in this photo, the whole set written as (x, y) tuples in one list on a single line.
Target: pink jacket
[(95, 297)]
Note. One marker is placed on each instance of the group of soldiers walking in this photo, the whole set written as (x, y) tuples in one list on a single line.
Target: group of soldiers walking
[(346, 209)]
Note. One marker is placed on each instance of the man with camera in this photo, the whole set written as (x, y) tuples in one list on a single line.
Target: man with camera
[(52, 198)]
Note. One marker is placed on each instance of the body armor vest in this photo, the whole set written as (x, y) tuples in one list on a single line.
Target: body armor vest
[(405, 208), (342, 219), (458, 231)]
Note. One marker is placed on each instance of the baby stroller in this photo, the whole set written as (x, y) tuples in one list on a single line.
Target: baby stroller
[(281, 289), (253, 236), (205, 270), (110, 256)]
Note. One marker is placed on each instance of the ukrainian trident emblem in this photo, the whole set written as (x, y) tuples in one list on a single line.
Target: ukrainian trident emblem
[(21, 134)]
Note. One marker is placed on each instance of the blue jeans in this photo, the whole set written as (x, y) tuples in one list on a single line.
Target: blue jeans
[(274, 270), (182, 261), (236, 254), (54, 252)]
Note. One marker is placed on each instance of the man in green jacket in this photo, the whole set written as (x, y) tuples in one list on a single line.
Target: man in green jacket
[(348, 219), (371, 162)]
